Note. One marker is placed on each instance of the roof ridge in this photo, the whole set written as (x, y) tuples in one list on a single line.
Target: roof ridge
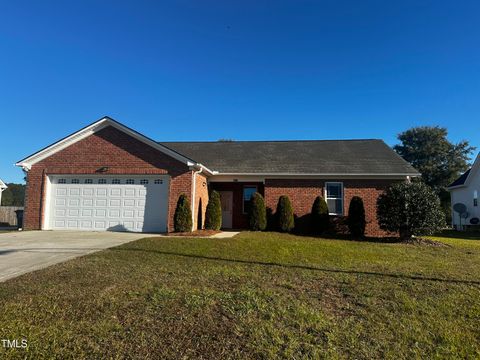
[(265, 141)]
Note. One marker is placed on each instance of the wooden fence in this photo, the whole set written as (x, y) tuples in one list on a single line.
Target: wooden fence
[(7, 215)]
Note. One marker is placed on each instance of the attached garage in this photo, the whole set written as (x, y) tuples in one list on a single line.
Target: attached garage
[(107, 203)]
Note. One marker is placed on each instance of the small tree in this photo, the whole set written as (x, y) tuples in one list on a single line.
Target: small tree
[(213, 214), (182, 220), (410, 209), (284, 214), (258, 213), (319, 218), (356, 217)]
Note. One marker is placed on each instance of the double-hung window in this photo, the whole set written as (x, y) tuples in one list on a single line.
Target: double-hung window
[(334, 197), (248, 192)]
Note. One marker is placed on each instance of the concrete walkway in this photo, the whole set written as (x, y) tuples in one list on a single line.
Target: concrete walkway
[(25, 251), (225, 234)]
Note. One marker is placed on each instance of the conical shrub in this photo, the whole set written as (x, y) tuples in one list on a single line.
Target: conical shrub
[(258, 213), (284, 214), (213, 214), (319, 218), (182, 220)]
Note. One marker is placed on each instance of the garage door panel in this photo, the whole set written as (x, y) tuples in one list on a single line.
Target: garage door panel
[(116, 192), (133, 203), (87, 192), (87, 212)]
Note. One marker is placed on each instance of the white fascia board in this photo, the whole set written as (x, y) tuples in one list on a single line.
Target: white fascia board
[(91, 129), (3, 186), (324, 175), (204, 169)]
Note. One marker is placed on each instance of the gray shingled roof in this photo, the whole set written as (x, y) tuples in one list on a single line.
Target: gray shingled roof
[(296, 157), (461, 180)]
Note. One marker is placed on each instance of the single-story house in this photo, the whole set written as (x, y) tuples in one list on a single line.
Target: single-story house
[(107, 176), (465, 191), (3, 187)]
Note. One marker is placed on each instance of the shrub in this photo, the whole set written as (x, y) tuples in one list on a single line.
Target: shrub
[(258, 213), (356, 217), (410, 209), (319, 218), (182, 220), (213, 214), (284, 214)]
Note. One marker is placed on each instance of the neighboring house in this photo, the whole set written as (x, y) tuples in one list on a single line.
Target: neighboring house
[(465, 190), (3, 187), (107, 176)]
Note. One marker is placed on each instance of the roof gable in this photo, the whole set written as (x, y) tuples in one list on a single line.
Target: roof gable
[(98, 125), (466, 177), (3, 186)]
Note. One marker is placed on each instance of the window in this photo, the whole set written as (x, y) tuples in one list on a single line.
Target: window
[(88, 181), (62, 181), (116, 181), (75, 181), (248, 192), (158, 181), (144, 182), (102, 181), (334, 197), (130, 181)]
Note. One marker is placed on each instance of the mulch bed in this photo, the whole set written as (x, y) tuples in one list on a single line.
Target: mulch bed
[(198, 233)]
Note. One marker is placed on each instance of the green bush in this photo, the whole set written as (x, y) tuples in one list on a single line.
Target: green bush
[(410, 209), (258, 213), (319, 218), (356, 217), (213, 214), (284, 214), (182, 220)]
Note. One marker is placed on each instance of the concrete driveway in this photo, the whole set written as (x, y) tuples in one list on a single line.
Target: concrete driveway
[(23, 252)]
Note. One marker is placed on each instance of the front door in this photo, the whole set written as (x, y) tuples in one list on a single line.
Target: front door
[(226, 198)]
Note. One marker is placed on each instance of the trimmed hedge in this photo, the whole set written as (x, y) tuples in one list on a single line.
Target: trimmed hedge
[(319, 218), (182, 220), (213, 214), (258, 213), (284, 214), (356, 217)]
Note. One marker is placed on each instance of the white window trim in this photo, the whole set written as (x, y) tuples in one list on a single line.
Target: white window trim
[(342, 196), (243, 195)]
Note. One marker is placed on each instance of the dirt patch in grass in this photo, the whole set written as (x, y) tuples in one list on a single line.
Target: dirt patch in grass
[(424, 242), (197, 233)]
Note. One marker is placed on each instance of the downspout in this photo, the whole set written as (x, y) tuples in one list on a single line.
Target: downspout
[(194, 190)]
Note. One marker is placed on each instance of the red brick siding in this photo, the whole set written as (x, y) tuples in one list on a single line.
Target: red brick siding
[(302, 193), (109, 147), (201, 200)]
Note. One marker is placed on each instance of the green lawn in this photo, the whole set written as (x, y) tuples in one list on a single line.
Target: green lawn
[(258, 295)]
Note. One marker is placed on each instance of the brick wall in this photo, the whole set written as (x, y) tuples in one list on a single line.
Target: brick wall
[(302, 193), (114, 149), (201, 201)]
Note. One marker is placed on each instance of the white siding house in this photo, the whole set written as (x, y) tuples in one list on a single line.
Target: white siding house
[(2, 188), (465, 190)]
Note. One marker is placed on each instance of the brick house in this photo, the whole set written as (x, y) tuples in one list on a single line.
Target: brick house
[(107, 176)]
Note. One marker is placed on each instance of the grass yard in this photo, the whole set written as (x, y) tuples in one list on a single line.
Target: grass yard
[(258, 295)]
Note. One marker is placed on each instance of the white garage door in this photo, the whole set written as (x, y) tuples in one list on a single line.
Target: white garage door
[(113, 203)]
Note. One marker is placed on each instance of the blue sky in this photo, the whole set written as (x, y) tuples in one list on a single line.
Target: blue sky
[(204, 70)]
